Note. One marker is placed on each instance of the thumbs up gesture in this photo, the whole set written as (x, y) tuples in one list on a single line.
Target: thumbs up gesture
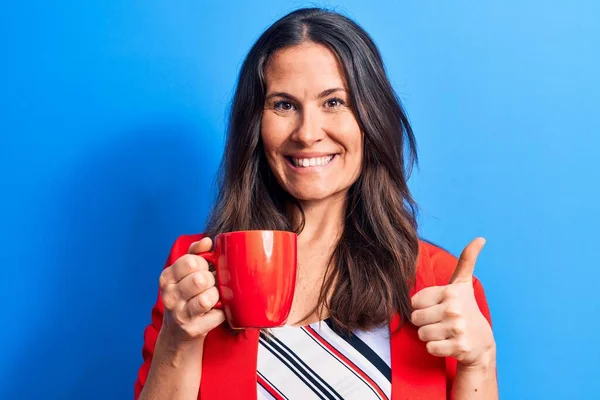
[(449, 318)]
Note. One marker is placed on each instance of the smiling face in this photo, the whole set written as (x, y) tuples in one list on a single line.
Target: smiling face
[(312, 141)]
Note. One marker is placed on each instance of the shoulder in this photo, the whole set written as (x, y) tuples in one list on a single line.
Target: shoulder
[(181, 246), (435, 265)]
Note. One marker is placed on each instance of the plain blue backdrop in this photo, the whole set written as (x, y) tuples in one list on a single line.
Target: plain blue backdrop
[(111, 128)]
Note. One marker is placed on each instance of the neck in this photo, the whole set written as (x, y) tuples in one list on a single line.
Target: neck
[(323, 224), (323, 219)]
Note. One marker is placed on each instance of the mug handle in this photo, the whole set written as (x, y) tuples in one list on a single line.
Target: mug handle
[(211, 257)]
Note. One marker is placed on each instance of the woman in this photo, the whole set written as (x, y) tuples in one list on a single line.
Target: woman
[(316, 146)]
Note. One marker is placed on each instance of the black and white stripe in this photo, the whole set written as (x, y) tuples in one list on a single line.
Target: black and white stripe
[(367, 352), (345, 365), (298, 367), (263, 392), (315, 363)]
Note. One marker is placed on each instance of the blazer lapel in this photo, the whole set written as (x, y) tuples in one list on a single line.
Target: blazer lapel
[(416, 374), (229, 365)]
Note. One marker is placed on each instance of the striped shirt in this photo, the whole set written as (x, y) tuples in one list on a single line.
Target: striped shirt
[(314, 362)]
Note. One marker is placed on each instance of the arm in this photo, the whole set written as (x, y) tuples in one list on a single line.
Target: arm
[(181, 319), (175, 370), (454, 321), (477, 383)]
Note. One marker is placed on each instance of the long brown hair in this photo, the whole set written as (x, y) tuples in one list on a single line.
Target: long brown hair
[(373, 264)]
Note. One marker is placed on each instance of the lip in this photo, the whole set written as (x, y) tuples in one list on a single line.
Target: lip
[(310, 155)]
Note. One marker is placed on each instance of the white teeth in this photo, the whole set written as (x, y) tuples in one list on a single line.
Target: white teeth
[(311, 162)]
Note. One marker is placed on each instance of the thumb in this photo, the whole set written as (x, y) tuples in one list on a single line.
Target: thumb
[(466, 262), (205, 244)]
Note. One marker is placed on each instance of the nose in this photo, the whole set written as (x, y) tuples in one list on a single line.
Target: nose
[(310, 129)]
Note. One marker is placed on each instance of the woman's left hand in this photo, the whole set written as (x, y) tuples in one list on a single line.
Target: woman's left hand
[(449, 318)]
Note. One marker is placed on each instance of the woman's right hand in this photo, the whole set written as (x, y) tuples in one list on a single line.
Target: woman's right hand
[(189, 294)]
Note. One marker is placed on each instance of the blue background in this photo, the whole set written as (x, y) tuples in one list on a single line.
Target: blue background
[(112, 121)]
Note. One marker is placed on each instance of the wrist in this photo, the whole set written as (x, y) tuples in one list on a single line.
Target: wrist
[(176, 352), (485, 363)]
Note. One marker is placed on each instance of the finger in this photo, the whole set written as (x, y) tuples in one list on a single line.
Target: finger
[(429, 315), (170, 297), (186, 265), (202, 303), (430, 296), (434, 332), (213, 318), (206, 322), (466, 262), (440, 348), (195, 283), (204, 244)]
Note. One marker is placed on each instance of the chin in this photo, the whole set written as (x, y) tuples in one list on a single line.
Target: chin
[(311, 198), (314, 194)]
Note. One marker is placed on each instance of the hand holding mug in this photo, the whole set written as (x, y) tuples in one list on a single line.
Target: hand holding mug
[(449, 318), (189, 294), (252, 287), (256, 276)]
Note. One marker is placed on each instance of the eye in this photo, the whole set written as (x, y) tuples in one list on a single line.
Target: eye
[(334, 102), (283, 106)]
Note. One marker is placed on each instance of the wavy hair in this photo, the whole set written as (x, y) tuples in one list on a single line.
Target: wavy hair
[(373, 264)]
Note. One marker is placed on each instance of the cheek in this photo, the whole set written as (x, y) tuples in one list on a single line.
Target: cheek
[(271, 134), (273, 131), (348, 134)]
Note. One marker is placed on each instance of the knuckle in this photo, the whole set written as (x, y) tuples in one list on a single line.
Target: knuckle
[(458, 328), (163, 280), (450, 292), (202, 302), (206, 300), (453, 310), (188, 262), (169, 299), (198, 280)]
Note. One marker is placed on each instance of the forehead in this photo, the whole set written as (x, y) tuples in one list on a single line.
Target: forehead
[(307, 67)]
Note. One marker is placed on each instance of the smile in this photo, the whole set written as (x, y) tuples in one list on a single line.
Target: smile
[(311, 162)]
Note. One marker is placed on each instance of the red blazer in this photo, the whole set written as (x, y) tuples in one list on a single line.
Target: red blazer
[(229, 362)]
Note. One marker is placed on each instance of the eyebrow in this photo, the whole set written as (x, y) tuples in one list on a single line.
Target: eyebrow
[(324, 93)]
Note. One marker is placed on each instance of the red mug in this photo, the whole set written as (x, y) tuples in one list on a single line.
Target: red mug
[(256, 276)]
